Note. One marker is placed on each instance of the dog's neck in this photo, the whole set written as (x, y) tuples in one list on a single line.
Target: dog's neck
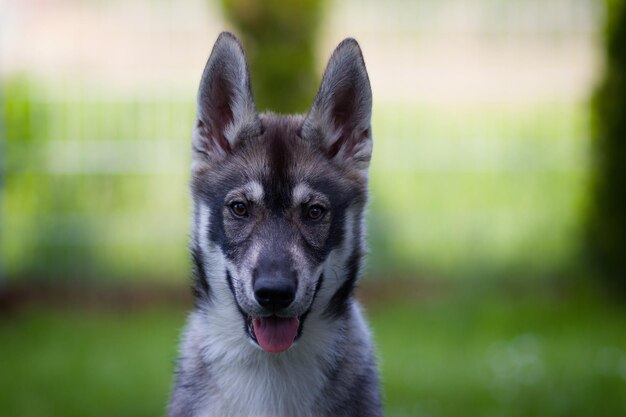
[(243, 376)]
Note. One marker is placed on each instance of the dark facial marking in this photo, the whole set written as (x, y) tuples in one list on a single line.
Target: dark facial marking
[(200, 286), (320, 281), (231, 286), (340, 301), (278, 184)]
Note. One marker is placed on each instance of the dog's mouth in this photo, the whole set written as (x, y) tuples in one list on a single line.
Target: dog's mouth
[(274, 334)]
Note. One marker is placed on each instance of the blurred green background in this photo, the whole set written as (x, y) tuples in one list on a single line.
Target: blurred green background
[(496, 276)]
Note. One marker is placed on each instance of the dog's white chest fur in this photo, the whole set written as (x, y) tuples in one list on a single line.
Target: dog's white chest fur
[(262, 390), (245, 381)]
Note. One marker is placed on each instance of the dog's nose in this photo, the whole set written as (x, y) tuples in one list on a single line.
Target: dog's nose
[(274, 293)]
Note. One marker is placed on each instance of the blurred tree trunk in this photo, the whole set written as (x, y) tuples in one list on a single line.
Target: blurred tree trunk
[(279, 37), (606, 232)]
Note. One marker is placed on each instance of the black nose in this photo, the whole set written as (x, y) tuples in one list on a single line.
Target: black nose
[(274, 292)]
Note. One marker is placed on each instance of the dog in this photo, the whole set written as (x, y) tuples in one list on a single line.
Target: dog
[(277, 246)]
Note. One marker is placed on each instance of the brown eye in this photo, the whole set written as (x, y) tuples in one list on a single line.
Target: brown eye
[(239, 209), (315, 212)]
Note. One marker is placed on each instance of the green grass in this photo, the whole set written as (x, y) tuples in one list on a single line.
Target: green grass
[(87, 364), (452, 357), (503, 358)]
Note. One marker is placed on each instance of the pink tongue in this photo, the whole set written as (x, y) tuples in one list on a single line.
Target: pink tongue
[(275, 334)]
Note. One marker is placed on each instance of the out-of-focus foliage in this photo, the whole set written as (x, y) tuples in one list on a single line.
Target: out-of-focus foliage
[(30, 234), (279, 37), (606, 242), (493, 191), (96, 173), (99, 188), (89, 190)]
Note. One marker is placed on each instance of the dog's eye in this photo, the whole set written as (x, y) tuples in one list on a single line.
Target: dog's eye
[(315, 212), (239, 209)]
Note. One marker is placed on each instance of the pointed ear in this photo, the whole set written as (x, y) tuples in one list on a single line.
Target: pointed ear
[(225, 109), (340, 116)]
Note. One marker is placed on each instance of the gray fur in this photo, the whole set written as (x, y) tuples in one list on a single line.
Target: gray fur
[(280, 167), (342, 109), (225, 103)]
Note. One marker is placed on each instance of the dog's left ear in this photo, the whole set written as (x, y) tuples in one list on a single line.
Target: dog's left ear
[(340, 115)]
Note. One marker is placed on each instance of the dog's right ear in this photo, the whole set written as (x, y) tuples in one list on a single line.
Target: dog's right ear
[(339, 119), (225, 109)]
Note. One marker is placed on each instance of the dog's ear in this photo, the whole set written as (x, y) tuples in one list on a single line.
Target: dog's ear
[(225, 108), (340, 115)]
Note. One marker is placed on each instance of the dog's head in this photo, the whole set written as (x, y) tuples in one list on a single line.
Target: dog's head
[(279, 200)]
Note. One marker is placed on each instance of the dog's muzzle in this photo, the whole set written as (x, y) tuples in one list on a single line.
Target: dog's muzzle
[(274, 293)]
